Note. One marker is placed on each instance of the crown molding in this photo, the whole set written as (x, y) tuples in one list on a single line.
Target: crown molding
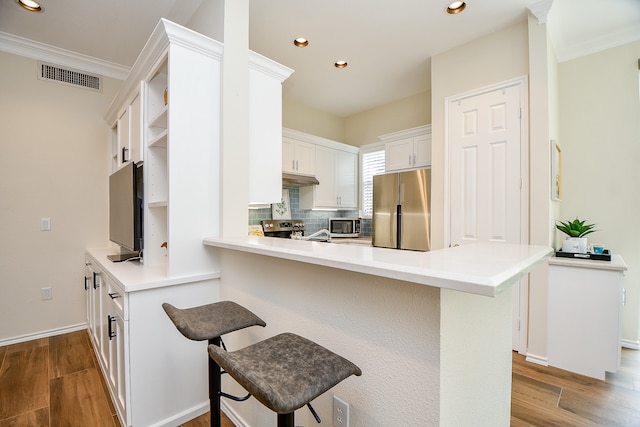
[(32, 49), (541, 10), (622, 36)]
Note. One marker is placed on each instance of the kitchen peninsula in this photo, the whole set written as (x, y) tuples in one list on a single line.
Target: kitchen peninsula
[(431, 331)]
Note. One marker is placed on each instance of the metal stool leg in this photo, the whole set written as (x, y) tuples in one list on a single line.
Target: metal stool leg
[(214, 388), (286, 420)]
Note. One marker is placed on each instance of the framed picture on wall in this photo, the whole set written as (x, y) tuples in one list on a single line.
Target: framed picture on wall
[(556, 171), (282, 210)]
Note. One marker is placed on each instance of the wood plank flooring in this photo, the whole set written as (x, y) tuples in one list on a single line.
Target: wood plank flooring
[(547, 396), (56, 381)]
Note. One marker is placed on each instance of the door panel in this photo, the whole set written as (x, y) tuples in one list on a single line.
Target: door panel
[(485, 174)]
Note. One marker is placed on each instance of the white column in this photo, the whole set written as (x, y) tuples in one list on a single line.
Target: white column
[(235, 119)]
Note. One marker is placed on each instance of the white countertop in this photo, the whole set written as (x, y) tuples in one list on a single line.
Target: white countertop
[(616, 263), (134, 276), (481, 268)]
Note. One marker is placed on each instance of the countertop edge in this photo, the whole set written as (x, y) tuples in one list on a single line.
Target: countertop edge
[(360, 260), (138, 277), (616, 264)]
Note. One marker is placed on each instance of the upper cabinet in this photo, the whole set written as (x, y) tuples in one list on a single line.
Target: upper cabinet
[(334, 164), (265, 130), (298, 156), (127, 133), (408, 149)]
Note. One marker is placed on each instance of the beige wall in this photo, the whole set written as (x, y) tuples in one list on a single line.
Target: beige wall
[(364, 128), (600, 140), (53, 163), (303, 118), (491, 59)]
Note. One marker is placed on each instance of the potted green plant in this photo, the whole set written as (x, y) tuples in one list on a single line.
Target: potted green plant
[(576, 230)]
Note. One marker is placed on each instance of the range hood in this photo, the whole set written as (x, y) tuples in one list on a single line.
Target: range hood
[(292, 180)]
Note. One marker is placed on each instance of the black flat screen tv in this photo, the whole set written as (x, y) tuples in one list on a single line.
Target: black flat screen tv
[(125, 211)]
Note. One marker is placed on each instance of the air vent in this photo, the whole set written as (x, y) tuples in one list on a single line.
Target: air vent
[(69, 77)]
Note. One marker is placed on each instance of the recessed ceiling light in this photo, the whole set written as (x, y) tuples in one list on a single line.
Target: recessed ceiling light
[(456, 7), (30, 5), (341, 64), (301, 42)]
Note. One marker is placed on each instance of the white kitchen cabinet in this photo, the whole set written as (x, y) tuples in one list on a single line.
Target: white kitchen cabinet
[(127, 139), (146, 358), (265, 128), (337, 173), (336, 170), (585, 300), (298, 156), (408, 149)]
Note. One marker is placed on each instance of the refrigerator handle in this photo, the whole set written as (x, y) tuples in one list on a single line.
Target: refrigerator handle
[(399, 226)]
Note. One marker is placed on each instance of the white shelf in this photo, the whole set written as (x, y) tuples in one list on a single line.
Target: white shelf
[(160, 140), (158, 204), (160, 119)]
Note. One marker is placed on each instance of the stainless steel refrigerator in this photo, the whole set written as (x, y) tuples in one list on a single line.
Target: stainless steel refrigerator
[(401, 210)]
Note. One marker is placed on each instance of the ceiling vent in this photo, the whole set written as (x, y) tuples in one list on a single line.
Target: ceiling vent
[(69, 77)]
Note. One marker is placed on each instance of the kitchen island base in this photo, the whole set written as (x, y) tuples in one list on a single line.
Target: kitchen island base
[(429, 355)]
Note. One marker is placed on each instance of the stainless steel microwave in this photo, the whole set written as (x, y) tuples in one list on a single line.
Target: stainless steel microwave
[(344, 227)]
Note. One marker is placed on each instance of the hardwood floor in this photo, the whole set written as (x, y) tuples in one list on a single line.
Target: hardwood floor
[(546, 396), (56, 381)]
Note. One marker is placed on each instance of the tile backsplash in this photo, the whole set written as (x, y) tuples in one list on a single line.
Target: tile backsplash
[(314, 219)]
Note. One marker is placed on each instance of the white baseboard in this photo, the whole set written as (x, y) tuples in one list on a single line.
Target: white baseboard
[(233, 415), (634, 345), (538, 360), (43, 334)]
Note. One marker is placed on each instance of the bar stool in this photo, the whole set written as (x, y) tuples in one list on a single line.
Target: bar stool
[(209, 322), (285, 372)]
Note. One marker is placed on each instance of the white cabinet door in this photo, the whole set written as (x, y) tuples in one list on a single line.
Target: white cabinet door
[(422, 151), (336, 171), (347, 179), (298, 157), (135, 129), (123, 137), (584, 331), (325, 192), (129, 128), (399, 154)]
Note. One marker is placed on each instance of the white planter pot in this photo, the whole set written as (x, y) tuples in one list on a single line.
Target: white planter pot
[(575, 245)]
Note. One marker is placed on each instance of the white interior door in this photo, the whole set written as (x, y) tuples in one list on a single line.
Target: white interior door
[(485, 181)]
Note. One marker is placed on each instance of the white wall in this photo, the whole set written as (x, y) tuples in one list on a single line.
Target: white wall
[(600, 140), (53, 163)]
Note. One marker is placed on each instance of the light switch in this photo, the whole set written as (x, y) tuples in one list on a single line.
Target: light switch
[(45, 224)]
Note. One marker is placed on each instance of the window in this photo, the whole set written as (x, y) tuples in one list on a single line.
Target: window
[(372, 164)]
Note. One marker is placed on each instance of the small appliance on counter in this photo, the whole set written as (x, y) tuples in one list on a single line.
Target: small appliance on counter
[(344, 227)]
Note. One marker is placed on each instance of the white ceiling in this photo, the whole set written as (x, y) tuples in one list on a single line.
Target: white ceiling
[(388, 44)]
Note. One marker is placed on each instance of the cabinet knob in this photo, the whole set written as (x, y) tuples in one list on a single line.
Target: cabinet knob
[(114, 295)]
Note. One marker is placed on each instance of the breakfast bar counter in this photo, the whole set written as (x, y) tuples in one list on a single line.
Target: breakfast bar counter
[(431, 331), (481, 268)]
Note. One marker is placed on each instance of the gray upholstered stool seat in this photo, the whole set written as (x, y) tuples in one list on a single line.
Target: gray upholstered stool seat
[(209, 322), (285, 372), (212, 320)]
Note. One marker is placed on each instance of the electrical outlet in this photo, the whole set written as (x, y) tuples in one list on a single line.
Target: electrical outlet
[(340, 412), (45, 224), (46, 293)]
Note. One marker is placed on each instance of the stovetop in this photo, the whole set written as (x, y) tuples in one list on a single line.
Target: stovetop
[(277, 225)]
